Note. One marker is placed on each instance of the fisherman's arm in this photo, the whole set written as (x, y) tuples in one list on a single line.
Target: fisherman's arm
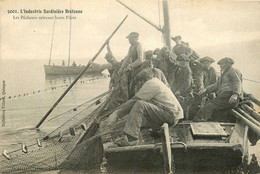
[(146, 92), (124, 64), (209, 89), (236, 84), (199, 80), (123, 110)]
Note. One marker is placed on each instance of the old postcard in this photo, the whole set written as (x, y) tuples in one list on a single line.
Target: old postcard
[(111, 86)]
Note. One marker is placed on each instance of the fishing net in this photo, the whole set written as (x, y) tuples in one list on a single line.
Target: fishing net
[(57, 151)]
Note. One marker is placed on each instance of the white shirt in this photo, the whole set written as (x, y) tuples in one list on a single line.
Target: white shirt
[(155, 89)]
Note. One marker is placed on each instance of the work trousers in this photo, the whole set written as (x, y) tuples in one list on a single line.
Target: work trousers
[(155, 116), (221, 102)]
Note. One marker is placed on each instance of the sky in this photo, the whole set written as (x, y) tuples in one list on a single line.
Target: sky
[(201, 23)]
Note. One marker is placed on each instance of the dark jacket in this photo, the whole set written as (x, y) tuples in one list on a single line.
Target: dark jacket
[(230, 80), (206, 77), (182, 81)]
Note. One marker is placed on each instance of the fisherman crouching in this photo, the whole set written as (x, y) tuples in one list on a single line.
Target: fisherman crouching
[(228, 89), (154, 102)]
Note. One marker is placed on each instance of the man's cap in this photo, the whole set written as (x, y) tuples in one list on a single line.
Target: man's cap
[(183, 57), (108, 55), (177, 37), (208, 59), (156, 49), (132, 34), (149, 54), (226, 60)]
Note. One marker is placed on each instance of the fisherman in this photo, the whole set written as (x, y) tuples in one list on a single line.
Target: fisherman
[(148, 54), (150, 57), (183, 48), (132, 62), (164, 56), (149, 64), (154, 102), (125, 86), (74, 64), (112, 66), (207, 75), (156, 52), (228, 90), (182, 83)]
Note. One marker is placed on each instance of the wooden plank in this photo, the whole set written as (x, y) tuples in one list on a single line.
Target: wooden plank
[(209, 129), (166, 148), (153, 147)]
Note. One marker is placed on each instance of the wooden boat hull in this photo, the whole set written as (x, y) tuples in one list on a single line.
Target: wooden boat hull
[(72, 70), (198, 154)]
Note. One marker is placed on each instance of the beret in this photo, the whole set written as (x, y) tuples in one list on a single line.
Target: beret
[(209, 59), (132, 34), (226, 60)]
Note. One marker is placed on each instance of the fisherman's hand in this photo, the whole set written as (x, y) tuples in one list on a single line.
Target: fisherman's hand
[(203, 91), (233, 99), (177, 93), (129, 68), (90, 62)]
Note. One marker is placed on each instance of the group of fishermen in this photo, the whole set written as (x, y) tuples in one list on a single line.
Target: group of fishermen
[(165, 86)]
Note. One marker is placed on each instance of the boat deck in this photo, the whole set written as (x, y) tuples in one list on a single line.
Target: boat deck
[(219, 150)]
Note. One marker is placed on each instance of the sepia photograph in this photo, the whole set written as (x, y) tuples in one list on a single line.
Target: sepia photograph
[(130, 86)]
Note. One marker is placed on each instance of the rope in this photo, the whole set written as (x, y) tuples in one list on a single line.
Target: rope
[(251, 80), (99, 96)]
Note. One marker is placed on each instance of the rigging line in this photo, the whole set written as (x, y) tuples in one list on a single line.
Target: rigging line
[(251, 80), (69, 37), (159, 14), (69, 120), (52, 40), (99, 96)]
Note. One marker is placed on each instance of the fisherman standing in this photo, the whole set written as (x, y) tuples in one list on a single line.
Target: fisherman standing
[(125, 86), (112, 66), (154, 102), (228, 89), (183, 48), (131, 64), (74, 63)]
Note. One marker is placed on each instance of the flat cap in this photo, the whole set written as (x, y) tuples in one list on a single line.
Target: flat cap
[(209, 59), (132, 34), (177, 37), (226, 60), (183, 57)]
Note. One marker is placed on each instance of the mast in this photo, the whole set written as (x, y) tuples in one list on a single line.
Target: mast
[(69, 38), (52, 41), (166, 30)]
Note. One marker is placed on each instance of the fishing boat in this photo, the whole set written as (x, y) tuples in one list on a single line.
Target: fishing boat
[(55, 70), (72, 70), (196, 146)]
